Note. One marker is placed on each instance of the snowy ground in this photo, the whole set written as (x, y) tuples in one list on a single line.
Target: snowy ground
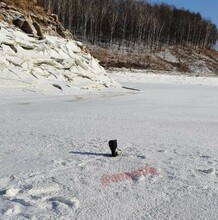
[(54, 151)]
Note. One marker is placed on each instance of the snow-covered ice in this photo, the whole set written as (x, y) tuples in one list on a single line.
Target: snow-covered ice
[(162, 77), (54, 151)]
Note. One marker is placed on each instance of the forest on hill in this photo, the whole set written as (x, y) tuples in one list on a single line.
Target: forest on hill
[(133, 23)]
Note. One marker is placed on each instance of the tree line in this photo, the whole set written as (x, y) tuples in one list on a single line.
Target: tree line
[(133, 23)]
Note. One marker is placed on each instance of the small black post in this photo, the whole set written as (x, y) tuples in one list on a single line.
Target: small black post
[(113, 146)]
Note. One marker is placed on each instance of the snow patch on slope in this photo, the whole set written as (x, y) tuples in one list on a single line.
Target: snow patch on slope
[(47, 65), (168, 56)]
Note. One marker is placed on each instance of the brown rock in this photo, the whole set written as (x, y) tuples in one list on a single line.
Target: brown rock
[(39, 30), (60, 31), (18, 22), (26, 27)]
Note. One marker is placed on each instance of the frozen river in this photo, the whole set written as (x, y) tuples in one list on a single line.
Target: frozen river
[(54, 152)]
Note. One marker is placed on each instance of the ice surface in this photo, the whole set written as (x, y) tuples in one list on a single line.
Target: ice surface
[(54, 152)]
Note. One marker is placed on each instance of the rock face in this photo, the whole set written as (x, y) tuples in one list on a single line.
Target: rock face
[(28, 26), (38, 20), (49, 64)]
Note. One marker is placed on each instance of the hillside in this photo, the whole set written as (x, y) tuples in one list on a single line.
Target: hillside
[(180, 60), (171, 58), (30, 10), (141, 35), (38, 55)]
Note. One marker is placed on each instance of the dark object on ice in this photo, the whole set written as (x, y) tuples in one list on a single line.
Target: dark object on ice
[(13, 48), (113, 146), (124, 87), (57, 86)]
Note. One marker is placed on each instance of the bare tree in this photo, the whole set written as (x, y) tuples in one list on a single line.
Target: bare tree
[(133, 22)]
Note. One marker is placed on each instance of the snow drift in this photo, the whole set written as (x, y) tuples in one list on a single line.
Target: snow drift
[(50, 64)]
